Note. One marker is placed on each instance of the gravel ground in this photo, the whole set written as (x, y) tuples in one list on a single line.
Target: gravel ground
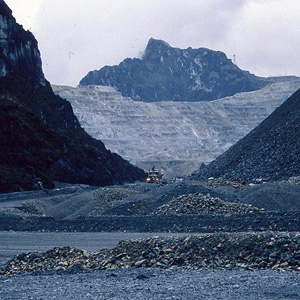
[(184, 197), (158, 283), (155, 284), (158, 223)]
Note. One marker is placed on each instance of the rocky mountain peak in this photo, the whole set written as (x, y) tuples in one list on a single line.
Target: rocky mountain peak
[(156, 48), (165, 73)]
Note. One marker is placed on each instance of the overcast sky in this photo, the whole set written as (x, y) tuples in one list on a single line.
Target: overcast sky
[(77, 36)]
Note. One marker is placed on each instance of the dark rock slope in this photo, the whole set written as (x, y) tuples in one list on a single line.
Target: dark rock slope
[(271, 151), (167, 73), (41, 139)]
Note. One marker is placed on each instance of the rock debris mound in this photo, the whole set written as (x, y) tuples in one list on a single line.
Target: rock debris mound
[(264, 250), (271, 151), (112, 194), (221, 182), (108, 198), (198, 203)]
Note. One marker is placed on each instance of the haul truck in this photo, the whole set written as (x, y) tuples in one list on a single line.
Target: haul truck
[(154, 175)]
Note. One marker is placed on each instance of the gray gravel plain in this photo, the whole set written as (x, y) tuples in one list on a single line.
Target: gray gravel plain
[(139, 283), (155, 284)]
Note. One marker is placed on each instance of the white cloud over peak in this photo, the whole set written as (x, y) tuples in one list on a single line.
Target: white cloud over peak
[(79, 36)]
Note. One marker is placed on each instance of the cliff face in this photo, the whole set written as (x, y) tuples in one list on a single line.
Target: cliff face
[(170, 74), (19, 51), (270, 151), (41, 138)]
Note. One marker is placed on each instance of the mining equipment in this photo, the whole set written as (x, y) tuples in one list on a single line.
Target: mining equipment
[(154, 175)]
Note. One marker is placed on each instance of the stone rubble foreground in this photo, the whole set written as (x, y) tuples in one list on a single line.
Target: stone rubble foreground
[(256, 250)]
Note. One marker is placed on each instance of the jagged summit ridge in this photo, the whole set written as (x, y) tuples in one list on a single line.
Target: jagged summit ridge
[(165, 73), (157, 43), (155, 47)]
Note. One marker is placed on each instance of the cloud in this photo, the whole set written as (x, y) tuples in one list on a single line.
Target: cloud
[(79, 36), (102, 32), (25, 11), (266, 37)]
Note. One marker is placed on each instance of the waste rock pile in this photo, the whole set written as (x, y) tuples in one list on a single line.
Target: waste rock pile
[(112, 193), (107, 198), (264, 250), (217, 182), (294, 180), (198, 203)]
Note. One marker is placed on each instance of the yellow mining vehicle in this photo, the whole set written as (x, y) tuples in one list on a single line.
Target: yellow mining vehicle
[(154, 175)]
